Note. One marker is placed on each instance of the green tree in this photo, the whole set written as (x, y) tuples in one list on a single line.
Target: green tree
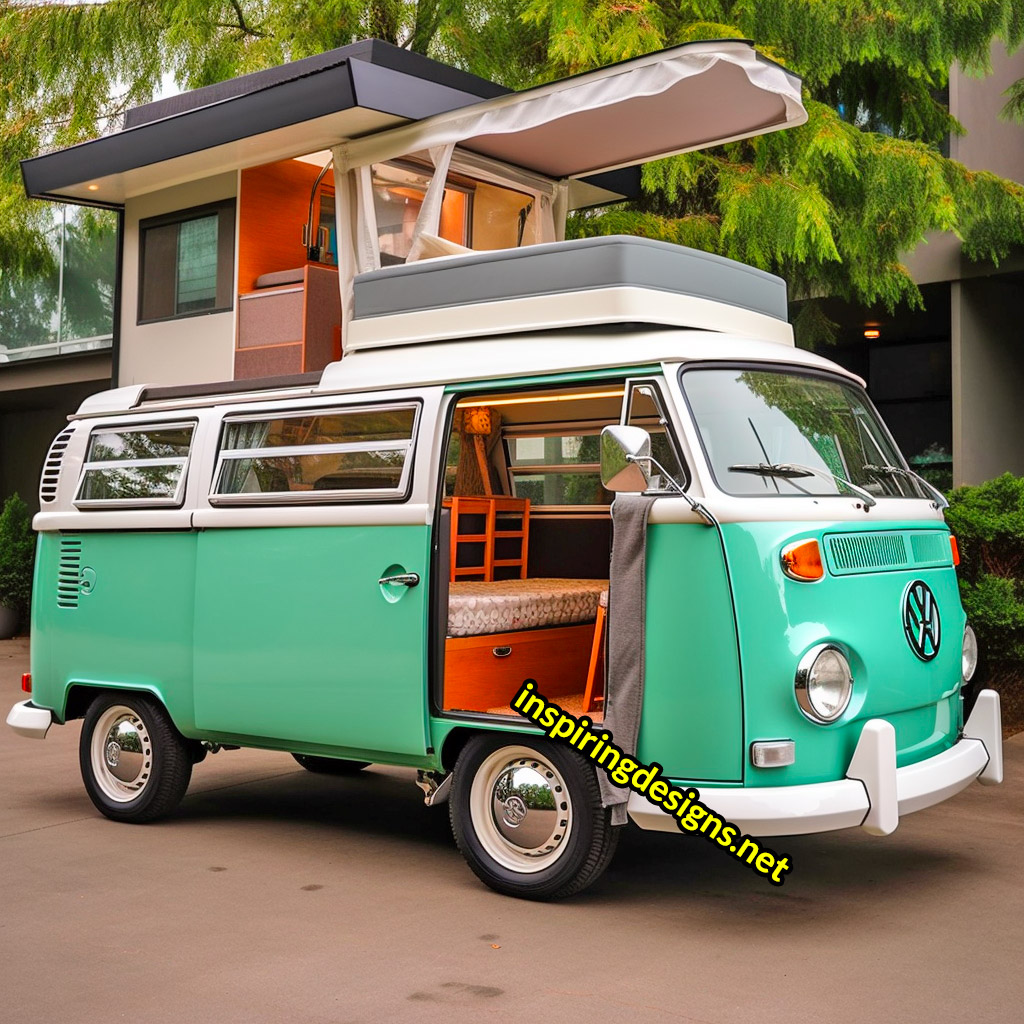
[(832, 206)]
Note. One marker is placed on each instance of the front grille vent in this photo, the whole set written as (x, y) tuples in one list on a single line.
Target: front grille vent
[(51, 467), (930, 548), (850, 553), (69, 572)]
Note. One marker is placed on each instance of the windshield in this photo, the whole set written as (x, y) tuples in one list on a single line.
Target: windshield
[(769, 432)]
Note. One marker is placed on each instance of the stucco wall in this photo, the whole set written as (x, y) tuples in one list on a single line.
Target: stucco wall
[(190, 350)]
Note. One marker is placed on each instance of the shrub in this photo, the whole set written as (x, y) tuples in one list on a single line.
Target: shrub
[(988, 521), (17, 552)]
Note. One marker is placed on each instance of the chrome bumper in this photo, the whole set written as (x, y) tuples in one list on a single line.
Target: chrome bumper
[(875, 793), (28, 720)]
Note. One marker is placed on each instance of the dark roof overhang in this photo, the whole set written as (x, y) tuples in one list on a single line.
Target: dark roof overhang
[(339, 94)]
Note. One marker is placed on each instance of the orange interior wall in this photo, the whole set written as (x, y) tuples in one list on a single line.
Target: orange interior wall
[(453, 216), (272, 207)]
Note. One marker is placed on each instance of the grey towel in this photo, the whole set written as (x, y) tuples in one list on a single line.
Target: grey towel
[(624, 688)]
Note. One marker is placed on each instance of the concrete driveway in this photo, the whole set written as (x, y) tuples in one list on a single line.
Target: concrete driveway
[(275, 895)]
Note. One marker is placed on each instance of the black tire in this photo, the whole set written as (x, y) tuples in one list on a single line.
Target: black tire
[(330, 765), (146, 777), (573, 850)]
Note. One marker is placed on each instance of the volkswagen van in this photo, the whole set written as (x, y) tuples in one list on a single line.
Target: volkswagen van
[(364, 566)]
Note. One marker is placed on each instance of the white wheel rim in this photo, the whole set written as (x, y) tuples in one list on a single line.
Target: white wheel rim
[(121, 754), (508, 806)]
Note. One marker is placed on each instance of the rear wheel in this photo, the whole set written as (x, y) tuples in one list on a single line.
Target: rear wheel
[(527, 817), (135, 764), (330, 765)]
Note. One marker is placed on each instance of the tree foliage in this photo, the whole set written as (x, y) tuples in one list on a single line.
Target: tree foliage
[(832, 206)]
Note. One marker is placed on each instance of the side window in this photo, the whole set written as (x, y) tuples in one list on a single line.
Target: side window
[(644, 408), (186, 263), (345, 454), (557, 469), (135, 466)]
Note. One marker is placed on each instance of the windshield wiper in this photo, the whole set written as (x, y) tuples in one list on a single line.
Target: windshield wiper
[(781, 469), (939, 500), (792, 470)]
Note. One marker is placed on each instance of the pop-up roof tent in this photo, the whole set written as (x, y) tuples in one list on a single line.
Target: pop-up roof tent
[(686, 98)]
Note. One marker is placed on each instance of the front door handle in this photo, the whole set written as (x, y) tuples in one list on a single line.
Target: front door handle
[(403, 579)]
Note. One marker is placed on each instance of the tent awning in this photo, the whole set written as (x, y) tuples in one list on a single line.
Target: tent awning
[(686, 98)]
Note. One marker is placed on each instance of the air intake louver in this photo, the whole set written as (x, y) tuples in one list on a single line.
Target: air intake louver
[(69, 572), (51, 467), (850, 553)]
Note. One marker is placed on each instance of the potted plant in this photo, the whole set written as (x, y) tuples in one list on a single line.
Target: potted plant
[(17, 553)]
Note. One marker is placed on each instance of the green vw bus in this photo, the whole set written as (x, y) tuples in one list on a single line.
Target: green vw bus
[(364, 566)]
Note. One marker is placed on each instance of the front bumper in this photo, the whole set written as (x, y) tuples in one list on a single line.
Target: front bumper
[(28, 720), (875, 793)]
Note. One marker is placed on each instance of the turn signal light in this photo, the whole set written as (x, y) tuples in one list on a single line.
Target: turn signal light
[(955, 548), (802, 561), (26, 682)]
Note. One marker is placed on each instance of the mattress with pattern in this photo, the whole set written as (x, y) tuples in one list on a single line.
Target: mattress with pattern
[(506, 606)]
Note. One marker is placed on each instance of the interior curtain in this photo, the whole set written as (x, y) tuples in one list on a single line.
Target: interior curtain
[(428, 221), (234, 474), (356, 226)]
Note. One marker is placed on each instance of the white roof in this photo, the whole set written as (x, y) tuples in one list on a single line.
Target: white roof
[(519, 355)]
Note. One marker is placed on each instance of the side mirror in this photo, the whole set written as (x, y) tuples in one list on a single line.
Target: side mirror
[(625, 458)]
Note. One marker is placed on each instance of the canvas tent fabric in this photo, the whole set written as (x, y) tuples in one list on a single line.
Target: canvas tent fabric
[(685, 98)]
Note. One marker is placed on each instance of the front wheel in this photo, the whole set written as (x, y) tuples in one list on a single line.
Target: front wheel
[(527, 817), (135, 764)]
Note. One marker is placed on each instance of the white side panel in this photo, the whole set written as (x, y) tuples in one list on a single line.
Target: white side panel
[(184, 351)]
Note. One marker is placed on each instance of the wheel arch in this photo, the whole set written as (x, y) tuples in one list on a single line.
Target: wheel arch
[(79, 696)]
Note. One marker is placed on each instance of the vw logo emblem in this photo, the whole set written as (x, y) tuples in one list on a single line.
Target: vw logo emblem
[(113, 754), (921, 620), (515, 811)]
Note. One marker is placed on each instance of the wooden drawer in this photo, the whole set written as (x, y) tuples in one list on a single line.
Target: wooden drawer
[(484, 672)]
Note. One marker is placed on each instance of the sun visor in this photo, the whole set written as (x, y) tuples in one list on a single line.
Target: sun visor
[(686, 98)]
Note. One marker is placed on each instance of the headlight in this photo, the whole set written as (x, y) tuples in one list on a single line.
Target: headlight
[(824, 683), (969, 660)]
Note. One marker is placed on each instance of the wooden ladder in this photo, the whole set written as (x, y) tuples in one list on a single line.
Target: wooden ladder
[(503, 519)]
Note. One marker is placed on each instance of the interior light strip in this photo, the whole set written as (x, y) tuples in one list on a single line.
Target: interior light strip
[(533, 400)]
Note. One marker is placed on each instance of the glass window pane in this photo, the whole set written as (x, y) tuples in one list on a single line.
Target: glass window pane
[(570, 465), (197, 264), (813, 428), (88, 295), (130, 482), (156, 443), (335, 428), (645, 411), (345, 471)]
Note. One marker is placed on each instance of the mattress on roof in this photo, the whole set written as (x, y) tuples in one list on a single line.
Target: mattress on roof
[(587, 263)]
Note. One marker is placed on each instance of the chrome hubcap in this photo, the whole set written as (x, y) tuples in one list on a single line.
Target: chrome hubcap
[(521, 809), (524, 808), (121, 754)]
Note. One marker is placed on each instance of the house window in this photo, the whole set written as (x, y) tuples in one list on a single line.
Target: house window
[(187, 262), (135, 466), (350, 454)]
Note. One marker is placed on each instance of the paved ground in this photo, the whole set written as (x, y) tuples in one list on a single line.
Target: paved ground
[(275, 895)]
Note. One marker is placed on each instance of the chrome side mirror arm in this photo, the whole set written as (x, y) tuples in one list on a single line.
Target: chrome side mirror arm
[(695, 505)]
